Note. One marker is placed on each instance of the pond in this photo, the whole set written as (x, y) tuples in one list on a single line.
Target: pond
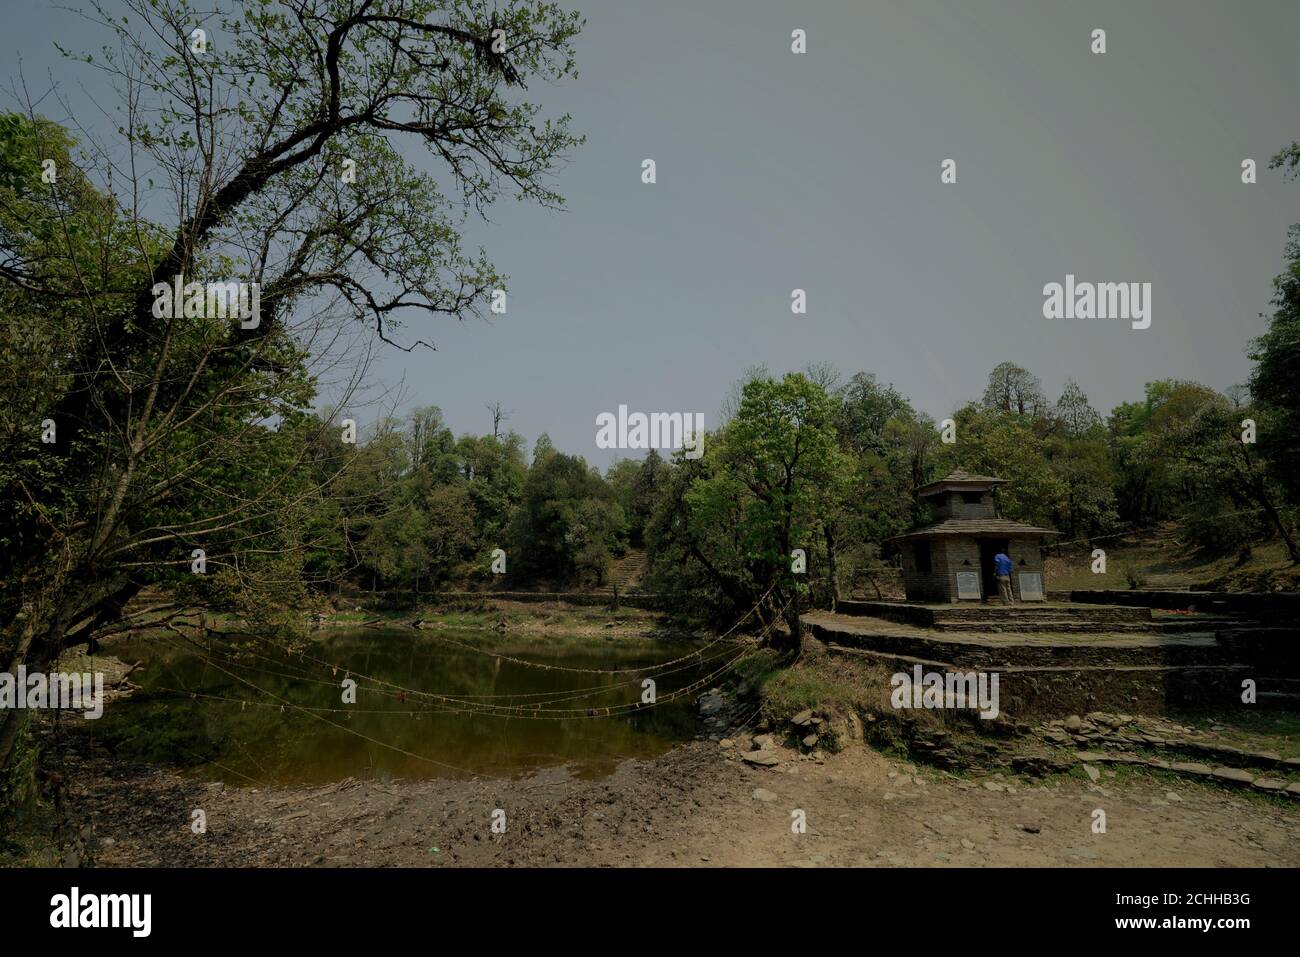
[(427, 704)]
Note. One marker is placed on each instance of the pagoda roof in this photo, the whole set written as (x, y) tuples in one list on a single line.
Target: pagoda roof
[(960, 480), (975, 526)]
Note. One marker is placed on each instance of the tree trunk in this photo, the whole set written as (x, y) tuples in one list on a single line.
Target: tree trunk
[(1291, 549), (791, 643), (1259, 493), (11, 718)]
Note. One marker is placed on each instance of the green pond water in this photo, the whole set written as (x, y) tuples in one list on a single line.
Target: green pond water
[(229, 713)]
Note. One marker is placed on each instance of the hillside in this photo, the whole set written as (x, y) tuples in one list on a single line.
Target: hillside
[(1162, 561)]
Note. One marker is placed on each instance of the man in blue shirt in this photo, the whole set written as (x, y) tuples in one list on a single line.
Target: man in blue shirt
[(1002, 569)]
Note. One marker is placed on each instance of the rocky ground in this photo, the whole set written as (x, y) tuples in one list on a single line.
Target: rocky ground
[(745, 796), (724, 803)]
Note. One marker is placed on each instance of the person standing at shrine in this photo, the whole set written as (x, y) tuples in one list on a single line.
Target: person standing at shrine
[(1002, 570)]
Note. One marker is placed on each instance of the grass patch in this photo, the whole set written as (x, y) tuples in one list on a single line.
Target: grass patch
[(1253, 730), (1161, 561)]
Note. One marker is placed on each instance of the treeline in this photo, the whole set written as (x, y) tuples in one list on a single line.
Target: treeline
[(187, 451), (805, 461), (417, 509)]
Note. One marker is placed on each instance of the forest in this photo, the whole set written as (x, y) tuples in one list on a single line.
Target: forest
[(207, 462)]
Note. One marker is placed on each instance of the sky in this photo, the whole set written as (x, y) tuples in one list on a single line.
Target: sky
[(821, 171)]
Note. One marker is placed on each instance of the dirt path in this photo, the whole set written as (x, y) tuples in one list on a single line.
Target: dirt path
[(695, 806)]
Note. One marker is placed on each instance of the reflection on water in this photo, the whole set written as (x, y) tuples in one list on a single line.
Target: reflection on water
[(233, 714)]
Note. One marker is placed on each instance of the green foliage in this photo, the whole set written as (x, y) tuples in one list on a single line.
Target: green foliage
[(179, 433), (1275, 383), (1007, 444), (727, 524), (569, 524)]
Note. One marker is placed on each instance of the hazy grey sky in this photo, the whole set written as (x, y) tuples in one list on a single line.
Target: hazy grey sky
[(821, 171)]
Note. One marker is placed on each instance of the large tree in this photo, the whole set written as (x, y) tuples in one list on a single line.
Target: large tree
[(1012, 388), (1274, 383), (735, 517), (260, 143)]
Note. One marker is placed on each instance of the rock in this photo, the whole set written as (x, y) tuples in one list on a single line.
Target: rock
[(1125, 757), (1269, 784), (1236, 775), (763, 794), (802, 718), (1030, 828), (810, 741), (1293, 789), (967, 843), (762, 742), (1073, 723), (711, 704), (1093, 773), (726, 743), (1039, 765), (1090, 755), (992, 786), (845, 727), (764, 759), (1085, 852), (1173, 796), (1184, 767)]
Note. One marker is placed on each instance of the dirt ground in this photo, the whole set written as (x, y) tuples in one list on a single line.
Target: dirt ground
[(695, 806)]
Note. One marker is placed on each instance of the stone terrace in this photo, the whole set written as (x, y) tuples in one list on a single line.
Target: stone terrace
[(1058, 658)]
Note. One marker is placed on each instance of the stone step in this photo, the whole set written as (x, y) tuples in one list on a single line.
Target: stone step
[(1284, 685), (1065, 626), (1180, 625), (930, 615), (1048, 613), (1056, 691), (1234, 777), (1040, 650), (1278, 701), (628, 570)]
